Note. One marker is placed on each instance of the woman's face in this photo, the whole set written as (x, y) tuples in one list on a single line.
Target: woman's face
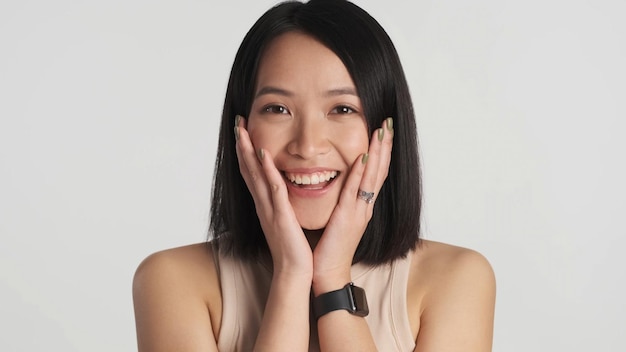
[(307, 114)]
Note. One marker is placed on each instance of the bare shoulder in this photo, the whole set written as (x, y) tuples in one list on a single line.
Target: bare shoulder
[(453, 292), (193, 263), (177, 299), (436, 261)]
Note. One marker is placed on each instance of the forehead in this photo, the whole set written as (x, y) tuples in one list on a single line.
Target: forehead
[(298, 59)]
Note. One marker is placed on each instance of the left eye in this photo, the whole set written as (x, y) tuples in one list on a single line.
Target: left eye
[(343, 110)]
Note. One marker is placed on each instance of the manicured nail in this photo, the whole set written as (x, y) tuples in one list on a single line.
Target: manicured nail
[(390, 124), (381, 134), (236, 133), (261, 153), (364, 158), (237, 119)]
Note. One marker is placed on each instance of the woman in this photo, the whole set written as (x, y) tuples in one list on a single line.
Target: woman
[(315, 212)]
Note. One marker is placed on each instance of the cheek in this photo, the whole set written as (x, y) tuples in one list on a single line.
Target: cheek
[(263, 136), (352, 141), (254, 129)]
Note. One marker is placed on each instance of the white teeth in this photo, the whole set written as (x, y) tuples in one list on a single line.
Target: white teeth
[(311, 179)]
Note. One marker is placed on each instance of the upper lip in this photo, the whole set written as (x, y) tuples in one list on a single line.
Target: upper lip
[(308, 170)]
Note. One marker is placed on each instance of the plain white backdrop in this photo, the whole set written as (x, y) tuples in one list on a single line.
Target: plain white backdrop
[(109, 112)]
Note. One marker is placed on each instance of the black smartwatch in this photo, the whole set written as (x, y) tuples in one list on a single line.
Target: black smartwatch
[(351, 298)]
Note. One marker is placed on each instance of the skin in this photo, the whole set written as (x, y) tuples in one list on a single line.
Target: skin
[(306, 119)]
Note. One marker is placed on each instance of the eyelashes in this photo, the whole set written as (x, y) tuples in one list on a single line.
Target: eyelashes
[(280, 110), (275, 109), (343, 110)]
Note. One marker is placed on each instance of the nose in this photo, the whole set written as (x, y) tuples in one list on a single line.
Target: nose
[(310, 138)]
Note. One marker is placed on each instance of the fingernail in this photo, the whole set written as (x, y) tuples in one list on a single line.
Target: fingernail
[(237, 119), (390, 124), (261, 153), (381, 134), (364, 158)]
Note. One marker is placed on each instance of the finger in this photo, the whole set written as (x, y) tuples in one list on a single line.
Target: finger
[(385, 152), (353, 181), (377, 167), (276, 183), (370, 175), (251, 169), (364, 171), (367, 188), (243, 168)]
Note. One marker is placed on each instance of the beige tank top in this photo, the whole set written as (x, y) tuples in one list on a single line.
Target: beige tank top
[(245, 287)]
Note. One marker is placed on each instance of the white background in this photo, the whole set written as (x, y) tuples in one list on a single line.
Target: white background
[(109, 113)]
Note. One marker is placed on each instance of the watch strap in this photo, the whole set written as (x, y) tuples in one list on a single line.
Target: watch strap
[(344, 298)]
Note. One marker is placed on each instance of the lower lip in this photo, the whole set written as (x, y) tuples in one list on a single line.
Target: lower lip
[(309, 192)]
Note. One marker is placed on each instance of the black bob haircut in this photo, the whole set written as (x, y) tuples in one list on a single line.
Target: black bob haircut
[(373, 63)]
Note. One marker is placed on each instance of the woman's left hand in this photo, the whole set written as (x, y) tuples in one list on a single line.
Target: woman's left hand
[(333, 254)]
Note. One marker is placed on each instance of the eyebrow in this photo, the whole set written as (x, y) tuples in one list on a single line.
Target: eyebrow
[(330, 93), (342, 91), (273, 90)]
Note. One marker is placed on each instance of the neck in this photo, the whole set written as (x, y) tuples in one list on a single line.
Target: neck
[(313, 236)]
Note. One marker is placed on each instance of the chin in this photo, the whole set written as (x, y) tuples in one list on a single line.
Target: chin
[(308, 220), (314, 227)]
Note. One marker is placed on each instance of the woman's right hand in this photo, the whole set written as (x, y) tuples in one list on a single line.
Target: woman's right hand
[(285, 324), (291, 252)]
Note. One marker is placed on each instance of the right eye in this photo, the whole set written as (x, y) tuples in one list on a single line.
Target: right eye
[(275, 109)]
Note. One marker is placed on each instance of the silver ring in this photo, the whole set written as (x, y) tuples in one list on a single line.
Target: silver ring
[(368, 197)]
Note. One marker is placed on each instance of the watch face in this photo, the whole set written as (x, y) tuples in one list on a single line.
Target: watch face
[(360, 301)]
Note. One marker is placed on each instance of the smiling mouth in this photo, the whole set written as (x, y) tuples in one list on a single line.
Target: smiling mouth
[(314, 180)]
